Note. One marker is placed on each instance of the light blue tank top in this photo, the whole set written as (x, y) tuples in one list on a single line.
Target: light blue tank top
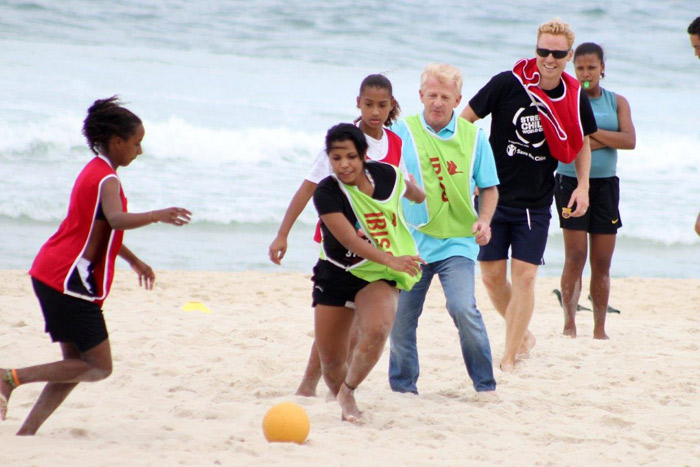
[(604, 160)]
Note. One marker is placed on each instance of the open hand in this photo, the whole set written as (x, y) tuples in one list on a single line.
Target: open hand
[(146, 275), (174, 216)]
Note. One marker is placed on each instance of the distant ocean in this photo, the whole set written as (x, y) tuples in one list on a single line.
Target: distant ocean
[(236, 97)]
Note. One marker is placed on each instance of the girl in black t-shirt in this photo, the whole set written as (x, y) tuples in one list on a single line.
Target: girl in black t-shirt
[(338, 294)]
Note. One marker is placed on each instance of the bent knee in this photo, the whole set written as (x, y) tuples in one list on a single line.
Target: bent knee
[(102, 372)]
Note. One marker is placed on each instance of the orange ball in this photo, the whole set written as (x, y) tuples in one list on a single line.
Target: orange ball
[(286, 422)]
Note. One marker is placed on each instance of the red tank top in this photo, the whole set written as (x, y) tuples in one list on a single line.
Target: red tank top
[(57, 260)]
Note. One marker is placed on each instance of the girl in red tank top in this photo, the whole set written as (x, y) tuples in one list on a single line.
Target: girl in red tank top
[(73, 271)]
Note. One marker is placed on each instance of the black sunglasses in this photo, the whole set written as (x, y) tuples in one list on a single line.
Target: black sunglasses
[(558, 54)]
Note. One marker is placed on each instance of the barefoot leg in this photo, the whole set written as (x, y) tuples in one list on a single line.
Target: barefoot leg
[(312, 374), (5, 391), (332, 328), (62, 377), (575, 251), (376, 309), (520, 309), (349, 410), (602, 247)]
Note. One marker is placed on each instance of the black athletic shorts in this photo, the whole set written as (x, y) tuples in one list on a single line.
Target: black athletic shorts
[(522, 230), (603, 215), (334, 286), (70, 319)]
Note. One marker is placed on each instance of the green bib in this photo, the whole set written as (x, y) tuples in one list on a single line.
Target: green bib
[(383, 224), (446, 167)]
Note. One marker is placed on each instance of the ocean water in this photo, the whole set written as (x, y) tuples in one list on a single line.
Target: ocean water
[(236, 97)]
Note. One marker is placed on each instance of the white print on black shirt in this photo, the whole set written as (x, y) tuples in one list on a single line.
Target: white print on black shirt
[(525, 127)]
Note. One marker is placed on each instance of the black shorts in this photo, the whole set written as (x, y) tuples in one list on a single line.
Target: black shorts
[(603, 215), (70, 319), (334, 286), (522, 230)]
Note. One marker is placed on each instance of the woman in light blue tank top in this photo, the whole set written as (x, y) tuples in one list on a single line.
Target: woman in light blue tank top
[(600, 223)]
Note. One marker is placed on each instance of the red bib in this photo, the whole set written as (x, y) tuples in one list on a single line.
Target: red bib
[(58, 258), (561, 117)]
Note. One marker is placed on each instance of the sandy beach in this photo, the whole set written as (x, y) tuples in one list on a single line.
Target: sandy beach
[(191, 388)]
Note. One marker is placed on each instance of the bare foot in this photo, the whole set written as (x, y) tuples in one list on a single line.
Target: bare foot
[(5, 391), (306, 388), (529, 342), (570, 331), (507, 366), (600, 335), (346, 399)]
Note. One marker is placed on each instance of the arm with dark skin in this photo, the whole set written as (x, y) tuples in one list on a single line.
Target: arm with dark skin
[(116, 219), (119, 220), (625, 138), (301, 198), (582, 164)]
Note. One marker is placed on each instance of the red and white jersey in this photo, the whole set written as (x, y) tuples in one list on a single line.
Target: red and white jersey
[(57, 260), (386, 149)]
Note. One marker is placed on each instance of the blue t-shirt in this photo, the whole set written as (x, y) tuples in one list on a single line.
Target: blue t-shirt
[(484, 175), (603, 160)]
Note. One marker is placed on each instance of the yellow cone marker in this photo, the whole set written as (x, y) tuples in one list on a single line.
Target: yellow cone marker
[(196, 306)]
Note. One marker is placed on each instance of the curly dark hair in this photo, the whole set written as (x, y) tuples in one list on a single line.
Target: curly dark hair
[(107, 118), (382, 82)]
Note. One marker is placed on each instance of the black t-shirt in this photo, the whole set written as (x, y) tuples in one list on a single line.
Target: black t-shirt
[(524, 163), (329, 198)]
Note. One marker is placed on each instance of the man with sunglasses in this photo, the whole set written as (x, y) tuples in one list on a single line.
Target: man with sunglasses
[(539, 116)]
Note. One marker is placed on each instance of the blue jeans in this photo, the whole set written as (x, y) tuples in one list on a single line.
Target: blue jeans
[(457, 278)]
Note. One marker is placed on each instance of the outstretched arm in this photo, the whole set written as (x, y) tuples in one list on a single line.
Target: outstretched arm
[(341, 229), (301, 198), (146, 275), (119, 220), (488, 199), (582, 164)]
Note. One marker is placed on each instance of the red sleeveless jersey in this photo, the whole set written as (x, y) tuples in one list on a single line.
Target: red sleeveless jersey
[(560, 118), (57, 260)]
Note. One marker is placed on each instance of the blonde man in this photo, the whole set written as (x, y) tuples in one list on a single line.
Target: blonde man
[(448, 156), (539, 116)]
